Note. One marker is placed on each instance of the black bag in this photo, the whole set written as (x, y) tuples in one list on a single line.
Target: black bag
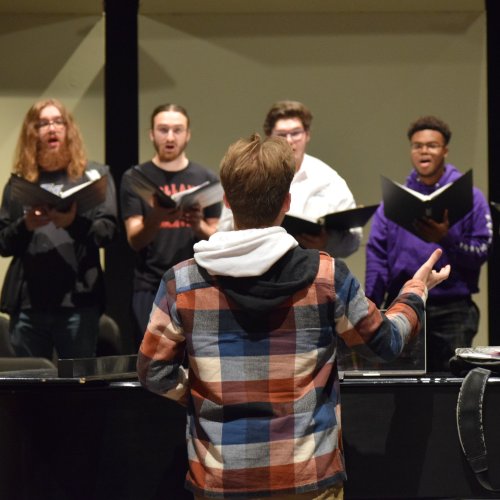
[(477, 364)]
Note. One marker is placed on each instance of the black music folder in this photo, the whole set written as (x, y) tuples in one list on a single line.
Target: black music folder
[(403, 205), (340, 221), (206, 194), (87, 195)]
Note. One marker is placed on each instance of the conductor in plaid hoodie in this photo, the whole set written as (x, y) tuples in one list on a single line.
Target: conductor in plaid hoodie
[(258, 318)]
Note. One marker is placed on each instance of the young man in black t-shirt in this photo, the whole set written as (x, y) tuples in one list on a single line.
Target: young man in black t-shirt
[(162, 237)]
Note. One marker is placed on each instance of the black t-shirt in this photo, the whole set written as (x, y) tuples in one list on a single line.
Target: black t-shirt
[(174, 241)]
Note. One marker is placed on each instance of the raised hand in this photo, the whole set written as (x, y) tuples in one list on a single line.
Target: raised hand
[(428, 275)]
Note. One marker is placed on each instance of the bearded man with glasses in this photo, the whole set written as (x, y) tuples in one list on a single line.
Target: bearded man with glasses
[(54, 287), (393, 253), (316, 189)]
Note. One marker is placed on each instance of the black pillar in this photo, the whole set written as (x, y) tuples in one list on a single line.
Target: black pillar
[(121, 128), (493, 68)]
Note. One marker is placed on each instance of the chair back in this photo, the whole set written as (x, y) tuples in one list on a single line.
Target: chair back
[(6, 349)]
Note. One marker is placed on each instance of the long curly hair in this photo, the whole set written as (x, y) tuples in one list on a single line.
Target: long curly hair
[(25, 159)]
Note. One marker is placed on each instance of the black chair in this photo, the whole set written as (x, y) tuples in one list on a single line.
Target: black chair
[(8, 360), (6, 349), (109, 342)]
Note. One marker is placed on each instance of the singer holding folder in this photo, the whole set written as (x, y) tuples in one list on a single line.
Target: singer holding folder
[(393, 253), (54, 287), (163, 236), (317, 189)]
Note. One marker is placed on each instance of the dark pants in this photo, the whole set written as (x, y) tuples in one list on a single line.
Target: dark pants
[(71, 331), (449, 325)]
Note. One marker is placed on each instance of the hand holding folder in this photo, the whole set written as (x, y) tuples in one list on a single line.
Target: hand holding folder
[(86, 195), (406, 207), (204, 195)]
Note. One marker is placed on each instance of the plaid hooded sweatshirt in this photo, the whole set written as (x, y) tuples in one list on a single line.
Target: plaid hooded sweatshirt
[(258, 319)]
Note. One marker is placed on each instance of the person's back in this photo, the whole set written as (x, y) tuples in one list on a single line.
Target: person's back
[(258, 318), (260, 377)]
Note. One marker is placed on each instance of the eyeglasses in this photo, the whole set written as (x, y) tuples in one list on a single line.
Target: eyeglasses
[(57, 122), (175, 130), (431, 146), (295, 135)]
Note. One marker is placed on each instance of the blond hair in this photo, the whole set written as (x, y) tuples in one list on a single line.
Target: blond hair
[(256, 175), (25, 159)]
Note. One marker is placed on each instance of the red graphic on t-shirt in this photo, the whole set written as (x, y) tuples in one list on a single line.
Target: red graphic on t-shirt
[(170, 190)]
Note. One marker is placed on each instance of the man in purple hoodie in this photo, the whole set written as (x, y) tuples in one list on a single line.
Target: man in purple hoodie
[(393, 254)]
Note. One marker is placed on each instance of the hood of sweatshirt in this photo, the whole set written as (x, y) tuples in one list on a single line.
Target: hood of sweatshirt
[(259, 269), (450, 174)]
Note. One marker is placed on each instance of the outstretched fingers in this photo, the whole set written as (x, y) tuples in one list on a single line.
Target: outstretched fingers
[(431, 277)]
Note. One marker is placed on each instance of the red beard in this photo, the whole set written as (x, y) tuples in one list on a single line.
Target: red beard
[(51, 160)]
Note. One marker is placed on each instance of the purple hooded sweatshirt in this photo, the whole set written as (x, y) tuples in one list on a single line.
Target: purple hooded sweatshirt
[(394, 254)]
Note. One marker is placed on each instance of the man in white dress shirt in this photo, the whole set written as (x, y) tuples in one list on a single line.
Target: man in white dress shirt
[(316, 189)]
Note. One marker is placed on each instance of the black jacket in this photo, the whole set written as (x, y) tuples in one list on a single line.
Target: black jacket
[(54, 267)]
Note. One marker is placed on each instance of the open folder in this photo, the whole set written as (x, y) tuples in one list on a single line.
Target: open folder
[(205, 194), (87, 195), (340, 221), (403, 205)]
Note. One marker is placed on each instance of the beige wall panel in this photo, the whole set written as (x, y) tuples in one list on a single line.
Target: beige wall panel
[(365, 77), (50, 56)]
